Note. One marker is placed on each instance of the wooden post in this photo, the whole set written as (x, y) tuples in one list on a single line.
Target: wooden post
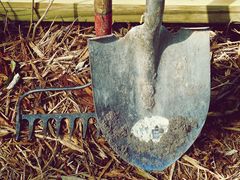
[(103, 17)]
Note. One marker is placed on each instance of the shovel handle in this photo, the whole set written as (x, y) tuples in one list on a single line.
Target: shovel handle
[(154, 14), (103, 17)]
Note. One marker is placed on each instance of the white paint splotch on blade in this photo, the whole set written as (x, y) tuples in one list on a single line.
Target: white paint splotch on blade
[(150, 128)]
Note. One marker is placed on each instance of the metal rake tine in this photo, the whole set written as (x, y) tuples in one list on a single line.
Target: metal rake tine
[(45, 126), (58, 126), (71, 122), (84, 127), (31, 129)]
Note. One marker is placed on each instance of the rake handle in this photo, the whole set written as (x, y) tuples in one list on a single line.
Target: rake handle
[(103, 17)]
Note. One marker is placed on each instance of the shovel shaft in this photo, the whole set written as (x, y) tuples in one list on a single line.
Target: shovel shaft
[(154, 14), (103, 17)]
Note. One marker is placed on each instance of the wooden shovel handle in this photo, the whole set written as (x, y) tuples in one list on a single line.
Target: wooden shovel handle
[(103, 17)]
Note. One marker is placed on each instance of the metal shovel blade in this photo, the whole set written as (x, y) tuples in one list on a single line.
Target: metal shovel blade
[(151, 90)]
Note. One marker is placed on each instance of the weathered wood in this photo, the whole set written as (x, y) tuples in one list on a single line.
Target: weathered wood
[(176, 11)]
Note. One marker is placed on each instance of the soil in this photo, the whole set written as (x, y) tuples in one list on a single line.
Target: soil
[(114, 132), (127, 145), (176, 136)]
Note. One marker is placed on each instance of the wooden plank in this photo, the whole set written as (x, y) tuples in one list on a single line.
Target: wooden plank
[(176, 11)]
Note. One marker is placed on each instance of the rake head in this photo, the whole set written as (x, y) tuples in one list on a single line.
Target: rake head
[(32, 118)]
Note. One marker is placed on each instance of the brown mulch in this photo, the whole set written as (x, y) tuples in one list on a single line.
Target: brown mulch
[(57, 56)]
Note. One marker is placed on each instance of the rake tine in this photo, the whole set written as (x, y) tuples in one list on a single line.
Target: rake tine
[(58, 126), (84, 127), (72, 122), (45, 126), (30, 127)]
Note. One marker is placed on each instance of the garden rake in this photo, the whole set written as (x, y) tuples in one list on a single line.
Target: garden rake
[(103, 25), (32, 118)]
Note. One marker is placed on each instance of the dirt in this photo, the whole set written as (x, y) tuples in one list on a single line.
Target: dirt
[(177, 135), (114, 132), (127, 145)]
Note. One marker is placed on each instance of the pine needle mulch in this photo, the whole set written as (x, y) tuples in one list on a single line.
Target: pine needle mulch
[(57, 56)]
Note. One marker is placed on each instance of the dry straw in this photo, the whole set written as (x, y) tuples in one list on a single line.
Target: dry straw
[(57, 56)]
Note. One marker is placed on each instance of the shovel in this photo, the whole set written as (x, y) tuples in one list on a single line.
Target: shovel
[(151, 89)]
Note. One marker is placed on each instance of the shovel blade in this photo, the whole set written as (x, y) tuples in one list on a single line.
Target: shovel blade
[(151, 126)]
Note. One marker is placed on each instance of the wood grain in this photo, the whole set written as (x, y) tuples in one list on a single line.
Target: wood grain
[(176, 11)]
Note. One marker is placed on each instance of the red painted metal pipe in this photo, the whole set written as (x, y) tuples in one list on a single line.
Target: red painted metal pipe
[(103, 17)]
